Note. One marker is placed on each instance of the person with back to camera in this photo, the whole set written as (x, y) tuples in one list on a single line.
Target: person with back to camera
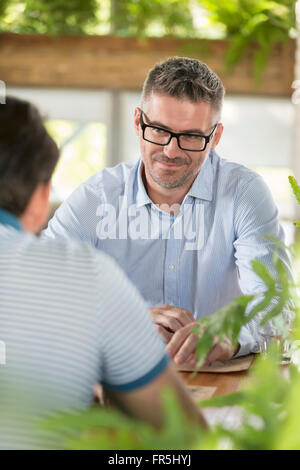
[(69, 317)]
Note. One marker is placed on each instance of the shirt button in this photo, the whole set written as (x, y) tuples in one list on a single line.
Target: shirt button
[(171, 267)]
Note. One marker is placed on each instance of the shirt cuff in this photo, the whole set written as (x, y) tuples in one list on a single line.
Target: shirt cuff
[(149, 377), (247, 343)]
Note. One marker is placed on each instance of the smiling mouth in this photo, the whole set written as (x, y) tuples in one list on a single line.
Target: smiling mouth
[(169, 165)]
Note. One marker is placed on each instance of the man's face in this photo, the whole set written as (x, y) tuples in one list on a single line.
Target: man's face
[(170, 166)]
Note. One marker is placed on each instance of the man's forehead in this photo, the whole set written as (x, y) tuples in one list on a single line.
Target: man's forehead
[(179, 114)]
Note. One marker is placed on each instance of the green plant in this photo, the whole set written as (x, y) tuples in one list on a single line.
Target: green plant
[(3, 7), (139, 18), (296, 190), (252, 21), (270, 401), (48, 16), (269, 408), (108, 428), (229, 320), (124, 18)]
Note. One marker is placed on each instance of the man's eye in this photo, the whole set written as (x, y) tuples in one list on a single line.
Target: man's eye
[(159, 131), (193, 137)]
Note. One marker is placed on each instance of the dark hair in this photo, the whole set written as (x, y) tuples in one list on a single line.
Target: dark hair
[(28, 155), (182, 77)]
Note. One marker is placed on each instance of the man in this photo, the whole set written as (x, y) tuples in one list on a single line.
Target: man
[(183, 223), (69, 318)]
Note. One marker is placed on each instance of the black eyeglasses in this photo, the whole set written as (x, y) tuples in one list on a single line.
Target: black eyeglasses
[(159, 136)]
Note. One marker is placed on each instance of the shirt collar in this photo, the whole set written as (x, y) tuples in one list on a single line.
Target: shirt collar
[(6, 218), (202, 187), (142, 197)]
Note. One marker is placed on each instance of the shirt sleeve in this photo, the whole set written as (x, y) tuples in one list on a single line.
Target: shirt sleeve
[(256, 217), (131, 350), (76, 218)]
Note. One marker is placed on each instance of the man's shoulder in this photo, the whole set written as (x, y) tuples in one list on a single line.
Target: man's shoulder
[(111, 178), (235, 172), (63, 256)]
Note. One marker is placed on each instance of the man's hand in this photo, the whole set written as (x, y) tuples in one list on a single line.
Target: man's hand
[(170, 319), (221, 351), (182, 345)]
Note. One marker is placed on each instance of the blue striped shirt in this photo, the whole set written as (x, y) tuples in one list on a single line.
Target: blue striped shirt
[(198, 260), (69, 318)]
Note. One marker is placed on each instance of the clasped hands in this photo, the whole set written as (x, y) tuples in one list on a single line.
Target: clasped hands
[(176, 326)]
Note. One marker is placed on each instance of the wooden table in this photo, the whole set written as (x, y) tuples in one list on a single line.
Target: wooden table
[(204, 385), (224, 383)]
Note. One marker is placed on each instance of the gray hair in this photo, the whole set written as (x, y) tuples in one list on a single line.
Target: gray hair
[(185, 78)]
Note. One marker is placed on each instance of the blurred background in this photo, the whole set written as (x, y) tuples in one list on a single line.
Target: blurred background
[(83, 64)]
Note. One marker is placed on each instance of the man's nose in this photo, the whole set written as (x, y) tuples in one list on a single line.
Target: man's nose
[(172, 150)]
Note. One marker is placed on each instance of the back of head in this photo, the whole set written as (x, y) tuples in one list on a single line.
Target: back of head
[(185, 78), (28, 155)]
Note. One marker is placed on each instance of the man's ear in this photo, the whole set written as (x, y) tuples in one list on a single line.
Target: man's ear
[(46, 189), (137, 114), (217, 136), (37, 210)]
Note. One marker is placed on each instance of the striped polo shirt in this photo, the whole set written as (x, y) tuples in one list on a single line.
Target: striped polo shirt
[(69, 319)]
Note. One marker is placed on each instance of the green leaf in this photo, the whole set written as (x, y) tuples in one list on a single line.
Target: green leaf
[(262, 271), (295, 187), (226, 322), (261, 306), (224, 400)]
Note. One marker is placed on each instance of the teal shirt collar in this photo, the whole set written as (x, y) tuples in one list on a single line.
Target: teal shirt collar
[(6, 218)]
